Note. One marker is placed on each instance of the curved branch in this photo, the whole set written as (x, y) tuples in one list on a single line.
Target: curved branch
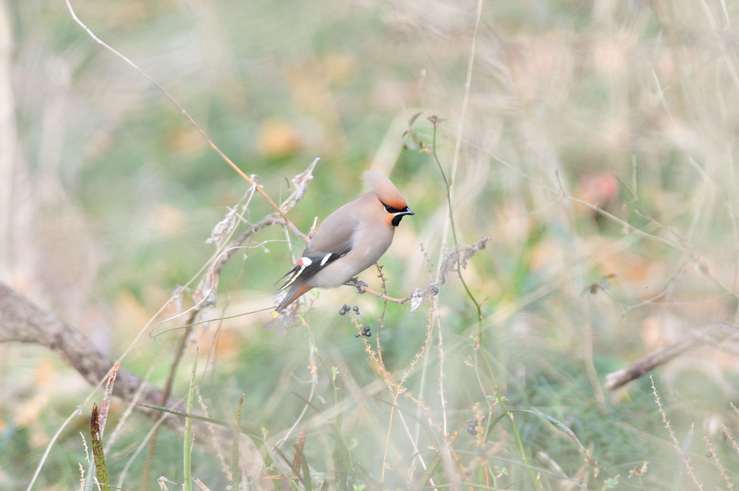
[(23, 321), (712, 334)]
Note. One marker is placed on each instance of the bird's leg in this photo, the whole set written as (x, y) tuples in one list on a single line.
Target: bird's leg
[(360, 285)]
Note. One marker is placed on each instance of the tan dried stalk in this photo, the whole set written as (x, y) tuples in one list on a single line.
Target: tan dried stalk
[(675, 443)]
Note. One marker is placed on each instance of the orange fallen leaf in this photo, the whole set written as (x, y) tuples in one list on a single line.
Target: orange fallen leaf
[(278, 139)]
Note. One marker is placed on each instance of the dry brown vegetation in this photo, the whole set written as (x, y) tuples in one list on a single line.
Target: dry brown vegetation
[(572, 168)]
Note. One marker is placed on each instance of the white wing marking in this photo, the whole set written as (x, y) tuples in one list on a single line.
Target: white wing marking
[(304, 262)]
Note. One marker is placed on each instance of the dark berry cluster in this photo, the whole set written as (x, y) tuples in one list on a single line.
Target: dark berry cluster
[(365, 332)]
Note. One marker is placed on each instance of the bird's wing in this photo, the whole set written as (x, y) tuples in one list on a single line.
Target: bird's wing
[(332, 240), (312, 262)]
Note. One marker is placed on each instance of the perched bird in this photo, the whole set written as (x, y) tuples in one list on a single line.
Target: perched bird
[(350, 240)]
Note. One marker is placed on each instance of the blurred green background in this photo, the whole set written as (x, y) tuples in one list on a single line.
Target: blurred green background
[(631, 107)]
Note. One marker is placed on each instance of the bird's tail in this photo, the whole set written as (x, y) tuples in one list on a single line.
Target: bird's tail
[(297, 290)]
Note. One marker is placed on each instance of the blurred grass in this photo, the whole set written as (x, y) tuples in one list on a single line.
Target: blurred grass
[(564, 100)]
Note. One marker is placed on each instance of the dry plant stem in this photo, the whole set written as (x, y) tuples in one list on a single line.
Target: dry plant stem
[(619, 378), (349, 403), (383, 464), (167, 393), (180, 351), (452, 224), (396, 389), (434, 317), (643, 366), (313, 369), (280, 211), (717, 462), (84, 483), (212, 277), (127, 413), (139, 449), (249, 179), (96, 360), (449, 262), (458, 152), (381, 323), (362, 410), (187, 439), (76, 349), (590, 361), (362, 288), (22, 321), (210, 363), (673, 437), (730, 438), (214, 267)]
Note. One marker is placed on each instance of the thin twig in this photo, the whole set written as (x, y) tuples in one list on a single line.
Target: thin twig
[(434, 317), (713, 333), (312, 368), (448, 188), (166, 394), (452, 261), (246, 177), (27, 323), (139, 448), (205, 292)]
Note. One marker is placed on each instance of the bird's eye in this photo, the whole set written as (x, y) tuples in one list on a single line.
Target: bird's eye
[(390, 209)]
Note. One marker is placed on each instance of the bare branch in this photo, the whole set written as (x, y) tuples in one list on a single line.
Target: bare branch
[(619, 378), (24, 322), (711, 334)]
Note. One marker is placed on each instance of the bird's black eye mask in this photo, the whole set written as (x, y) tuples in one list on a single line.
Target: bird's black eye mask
[(392, 210), (397, 213)]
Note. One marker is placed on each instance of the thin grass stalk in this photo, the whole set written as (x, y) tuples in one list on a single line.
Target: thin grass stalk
[(668, 426), (198, 127), (235, 457), (187, 437)]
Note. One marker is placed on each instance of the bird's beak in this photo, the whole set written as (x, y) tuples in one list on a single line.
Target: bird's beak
[(405, 212)]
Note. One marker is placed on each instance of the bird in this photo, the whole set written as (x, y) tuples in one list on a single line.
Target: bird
[(348, 241)]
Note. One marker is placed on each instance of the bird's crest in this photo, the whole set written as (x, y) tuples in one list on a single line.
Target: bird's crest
[(384, 189)]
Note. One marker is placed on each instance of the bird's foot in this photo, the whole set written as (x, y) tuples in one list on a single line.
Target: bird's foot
[(360, 285)]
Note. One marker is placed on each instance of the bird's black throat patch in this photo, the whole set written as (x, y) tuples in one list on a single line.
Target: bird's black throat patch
[(397, 219)]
